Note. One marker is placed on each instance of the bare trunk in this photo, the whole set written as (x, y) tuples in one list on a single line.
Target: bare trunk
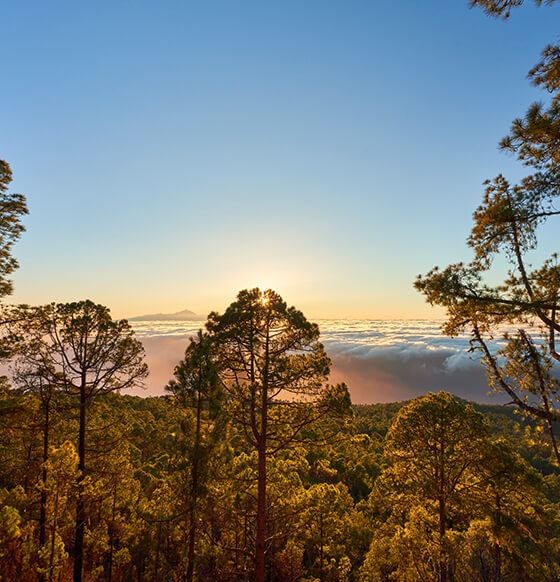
[(43, 512), (442, 529), (261, 518), (321, 546), (158, 547), (53, 536), (112, 537), (260, 541), (194, 490), (443, 574), (80, 508)]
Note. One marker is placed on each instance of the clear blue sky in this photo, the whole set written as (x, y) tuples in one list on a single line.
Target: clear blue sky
[(174, 152)]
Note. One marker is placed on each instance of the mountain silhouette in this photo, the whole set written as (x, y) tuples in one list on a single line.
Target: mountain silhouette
[(184, 315)]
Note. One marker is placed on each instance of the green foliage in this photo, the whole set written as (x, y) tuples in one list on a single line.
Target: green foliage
[(77, 347), (197, 386), (12, 208), (332, 507), (503, 8), (452, 504), (523, 308), (262, 344), (273, 368), (59, 486)]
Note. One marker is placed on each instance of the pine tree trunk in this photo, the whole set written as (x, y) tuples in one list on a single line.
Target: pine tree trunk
[(321, 545), (80, 508), (112, 537), (261, 485), (53, 536), (43, 513), (442, 528), (261, 518), (443, 574), (194, 490)]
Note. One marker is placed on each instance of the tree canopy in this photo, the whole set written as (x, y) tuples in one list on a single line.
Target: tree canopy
[(79, 349), (12, 208), (523, 308), (455, 504), (503, 8), (274, 368)]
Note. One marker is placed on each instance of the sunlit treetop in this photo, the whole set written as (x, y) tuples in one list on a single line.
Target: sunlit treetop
[(502, 8), (506, 224), (12, 208)]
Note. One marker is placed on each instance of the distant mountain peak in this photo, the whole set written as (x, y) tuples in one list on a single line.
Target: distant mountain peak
[(185, 315)]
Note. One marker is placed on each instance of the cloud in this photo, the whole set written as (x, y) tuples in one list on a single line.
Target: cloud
[(163, 353), (384, 373), (393, 373), (381, 361)]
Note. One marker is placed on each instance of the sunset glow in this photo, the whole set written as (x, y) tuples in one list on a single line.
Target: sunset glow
[(279, 291), (222, 154)]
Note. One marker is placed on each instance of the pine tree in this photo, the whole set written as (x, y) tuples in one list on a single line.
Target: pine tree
[(273, 369), (78, 348), (523, 309)]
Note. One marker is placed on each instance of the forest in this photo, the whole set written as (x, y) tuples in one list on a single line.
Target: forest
[(381, 492), (252, 466)]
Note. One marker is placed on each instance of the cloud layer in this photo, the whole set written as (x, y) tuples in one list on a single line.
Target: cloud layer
[(381, 361)]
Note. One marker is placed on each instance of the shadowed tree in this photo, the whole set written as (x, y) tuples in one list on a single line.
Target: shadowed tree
[(523, 309), (457, 505), (433, 446), (503, 8), (12, 208), (78, 348), (273, 368), (59, 478), (197, 386), (33, 381)]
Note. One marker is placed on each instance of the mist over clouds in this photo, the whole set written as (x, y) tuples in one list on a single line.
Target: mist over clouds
[(389, 374), (381, 361), (163, 353)]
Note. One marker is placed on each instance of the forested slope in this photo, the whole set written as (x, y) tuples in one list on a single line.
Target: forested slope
[(347, 502)]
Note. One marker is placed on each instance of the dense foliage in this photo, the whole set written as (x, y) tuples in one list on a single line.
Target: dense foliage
[(363, 506), (252, 467), (12, 208), (523, 306)]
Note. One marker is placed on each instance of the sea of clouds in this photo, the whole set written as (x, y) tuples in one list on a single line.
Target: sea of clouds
[(380, 360)]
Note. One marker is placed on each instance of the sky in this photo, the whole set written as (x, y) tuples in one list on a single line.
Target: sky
[(175, 152)]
